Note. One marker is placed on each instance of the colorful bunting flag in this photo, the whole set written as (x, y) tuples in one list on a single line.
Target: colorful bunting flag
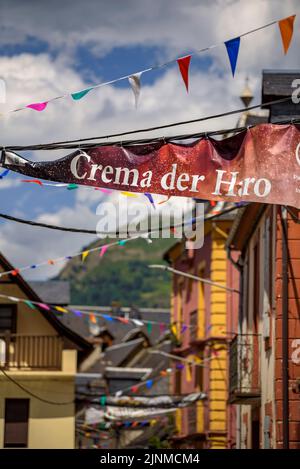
[(103, 250), (38, 106), (134, 388), (149, 327), (31, 305), (129, 194), (149, 196), (183, 329), (149, 383), (72, 186), (84, 255), (80, 94), (107, 317), (135, 83), (76, 312), (232, 47), (122, 242), (137, 322), (103, 400), (60, 309), (184, 64), (5, 173), (286, 27), (15, 272), (35, 181), (44, 306)]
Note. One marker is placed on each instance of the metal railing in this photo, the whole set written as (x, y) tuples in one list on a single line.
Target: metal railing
[(20, 351)]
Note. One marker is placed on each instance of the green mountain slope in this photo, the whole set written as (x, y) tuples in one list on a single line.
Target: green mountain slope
[(122, 275)]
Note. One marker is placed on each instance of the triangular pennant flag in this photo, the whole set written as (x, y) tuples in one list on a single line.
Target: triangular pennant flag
[(286, 27), (134, 388), (38, 106), (103, 250), (93, 318), (149, 383), (5, 173), (149, 327), (232, 47), (150, 198), (80, 94), (103, 400), (72, 186), (61, 310), (184, 64), (183, 329), (31, 305), (84, 255), (135, 83), (43, 306), (123, 320), (107, 317), (122, 242), (137, 322)]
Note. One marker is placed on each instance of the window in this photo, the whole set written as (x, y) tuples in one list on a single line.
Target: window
[(194, 325), (16, 423), (7, 318), (199, 378), (178, 381), (256, 293)]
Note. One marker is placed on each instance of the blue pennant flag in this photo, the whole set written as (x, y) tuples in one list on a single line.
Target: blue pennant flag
[(232, 47)]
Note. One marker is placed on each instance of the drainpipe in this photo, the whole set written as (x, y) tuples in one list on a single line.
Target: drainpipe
[(285, 329)]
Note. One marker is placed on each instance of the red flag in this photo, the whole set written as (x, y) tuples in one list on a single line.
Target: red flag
[(286, 27), (183, 65)]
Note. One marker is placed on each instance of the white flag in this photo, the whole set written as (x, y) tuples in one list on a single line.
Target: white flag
[(135, 83)]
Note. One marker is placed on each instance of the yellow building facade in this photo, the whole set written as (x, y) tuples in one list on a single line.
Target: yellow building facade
[(38, 364)]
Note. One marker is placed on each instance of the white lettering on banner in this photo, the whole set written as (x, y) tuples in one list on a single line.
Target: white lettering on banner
[(227, 183), (261, 187), (74, 163), (297, 154)]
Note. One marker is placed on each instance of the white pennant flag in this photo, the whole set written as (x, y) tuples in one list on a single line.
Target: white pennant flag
[(135, 83)]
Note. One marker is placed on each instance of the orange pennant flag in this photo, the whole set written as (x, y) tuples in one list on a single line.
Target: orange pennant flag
[(286, 27), (93, 319)]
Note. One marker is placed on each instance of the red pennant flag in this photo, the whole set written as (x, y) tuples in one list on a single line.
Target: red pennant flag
[(183, 65), (134, 389), (286, 27)]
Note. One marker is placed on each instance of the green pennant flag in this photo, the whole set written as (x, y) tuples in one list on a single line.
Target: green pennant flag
[(149, 327), (72, 186), (103, 400), (31, 305), (80, 94)]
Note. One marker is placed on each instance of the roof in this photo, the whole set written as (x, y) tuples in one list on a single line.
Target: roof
[(277, 83), (117, 354), (61, 328), (47, 290)]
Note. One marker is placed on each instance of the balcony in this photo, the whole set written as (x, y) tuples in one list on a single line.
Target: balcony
[(244, 369), (30, 352)]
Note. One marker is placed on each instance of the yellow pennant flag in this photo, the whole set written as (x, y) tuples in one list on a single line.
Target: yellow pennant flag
[(61, 310), (128, 194), (84, 255)]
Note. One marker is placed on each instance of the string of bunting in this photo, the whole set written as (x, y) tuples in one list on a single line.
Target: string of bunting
[(232, 47), (103, 248)]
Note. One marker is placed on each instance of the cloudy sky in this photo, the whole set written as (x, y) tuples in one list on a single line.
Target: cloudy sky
[(49, 48)]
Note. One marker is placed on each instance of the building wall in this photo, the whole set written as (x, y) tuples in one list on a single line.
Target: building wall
[(50, 426), (210, 347), (293, 233), (269, 371)]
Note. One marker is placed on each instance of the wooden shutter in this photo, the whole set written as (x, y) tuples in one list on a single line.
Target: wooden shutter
[(16, 423)]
